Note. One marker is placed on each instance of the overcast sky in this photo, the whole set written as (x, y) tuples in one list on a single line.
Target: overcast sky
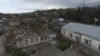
[(20, 6)]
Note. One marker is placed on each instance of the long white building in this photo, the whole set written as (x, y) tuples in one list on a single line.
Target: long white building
[(86, 34)]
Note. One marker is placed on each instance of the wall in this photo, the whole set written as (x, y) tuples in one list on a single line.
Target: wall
[(14, 23), (67, 33), (94, 43), (74, 36), (2, 44), (23, 44)]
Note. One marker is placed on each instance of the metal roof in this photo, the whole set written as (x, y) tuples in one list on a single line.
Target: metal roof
[(89, 30)]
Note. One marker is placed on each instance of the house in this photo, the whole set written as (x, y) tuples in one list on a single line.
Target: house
[(3, 43), (58, 21), (88, 35), (4, 24), (28, 38), (14, 22)]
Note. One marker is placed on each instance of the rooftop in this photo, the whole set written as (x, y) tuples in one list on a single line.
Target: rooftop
[(89, 30), (40, 28)]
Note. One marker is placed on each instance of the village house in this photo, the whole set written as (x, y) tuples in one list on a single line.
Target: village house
[(88, 35), (58, 21), (28, 38), (4, 24), (3, 44), (13, 22)]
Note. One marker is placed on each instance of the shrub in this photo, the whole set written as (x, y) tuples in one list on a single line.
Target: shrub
[(19, 52), (63, 44)]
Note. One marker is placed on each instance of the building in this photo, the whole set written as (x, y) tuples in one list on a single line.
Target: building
[(3, 44), (59, 21), (86, 34), (14, 22), (28, 38), (4, 25)]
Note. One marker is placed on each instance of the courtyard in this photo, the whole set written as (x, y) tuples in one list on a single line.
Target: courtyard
[(51, 50)]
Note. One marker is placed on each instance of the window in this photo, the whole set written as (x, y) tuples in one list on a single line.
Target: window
[(78, 39), (90, 42), (26, 41), (20, 42), (64, 32), (36, 39), (41, 38), (45, 37), (86, 41), (71, 35), (32, 40)]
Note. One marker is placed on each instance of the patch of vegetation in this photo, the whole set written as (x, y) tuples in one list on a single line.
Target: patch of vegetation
[(19, 52), (63, 44)]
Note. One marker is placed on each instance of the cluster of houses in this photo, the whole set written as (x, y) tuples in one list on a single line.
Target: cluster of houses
[(24, 36), (87, 35), (27, 38)]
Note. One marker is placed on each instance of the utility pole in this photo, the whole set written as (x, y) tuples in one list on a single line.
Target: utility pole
[(83, 10)]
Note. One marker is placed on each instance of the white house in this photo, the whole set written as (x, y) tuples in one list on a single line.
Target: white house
[(86, 34)]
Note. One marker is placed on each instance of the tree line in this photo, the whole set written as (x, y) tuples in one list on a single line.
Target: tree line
[(84, 15)]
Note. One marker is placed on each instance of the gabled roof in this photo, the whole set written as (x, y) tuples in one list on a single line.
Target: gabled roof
[(89, 30)]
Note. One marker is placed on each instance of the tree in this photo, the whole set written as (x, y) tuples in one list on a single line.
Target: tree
[(62, 43), (19, 52)]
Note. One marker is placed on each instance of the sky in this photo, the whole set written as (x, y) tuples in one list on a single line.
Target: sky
[(22, 6)]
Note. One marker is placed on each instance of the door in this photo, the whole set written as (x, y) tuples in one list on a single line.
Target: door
[(99, 46), (78, 39), (86, 41)]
